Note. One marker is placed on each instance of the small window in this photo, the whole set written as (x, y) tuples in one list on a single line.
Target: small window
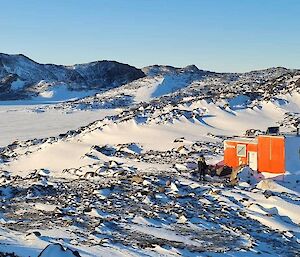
[(241, 150)]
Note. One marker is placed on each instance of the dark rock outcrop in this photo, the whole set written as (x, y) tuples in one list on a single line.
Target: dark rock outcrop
[(21, 77)]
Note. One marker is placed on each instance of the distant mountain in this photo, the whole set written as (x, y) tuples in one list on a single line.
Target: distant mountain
[(155, 70), (21, 77)]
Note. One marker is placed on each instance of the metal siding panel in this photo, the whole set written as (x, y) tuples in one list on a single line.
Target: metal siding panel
[(230, 158), (277, 155), (271, 154), (252, 147), (264, 154)]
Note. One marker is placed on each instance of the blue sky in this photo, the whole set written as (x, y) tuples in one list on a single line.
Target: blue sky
[(220, 35)]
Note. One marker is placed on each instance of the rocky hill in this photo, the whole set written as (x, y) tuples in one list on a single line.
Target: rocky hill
[(21, 77), (126, 183)]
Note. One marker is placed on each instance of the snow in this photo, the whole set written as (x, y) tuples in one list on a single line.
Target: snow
[(238, 102), (56, 250), (168, 85), (122, 186), (273, 212), (18, 84), (270, 184), (24, 122), (45, 207), (60, 93), (145, 93), (292, 154), (290, 103)]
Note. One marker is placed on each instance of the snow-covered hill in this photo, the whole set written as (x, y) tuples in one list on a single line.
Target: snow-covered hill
[(21, 77), (122, 184)]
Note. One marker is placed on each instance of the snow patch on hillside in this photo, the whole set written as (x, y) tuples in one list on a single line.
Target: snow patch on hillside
[(127, 184), (28, 122), (18, 84), (59, 93)]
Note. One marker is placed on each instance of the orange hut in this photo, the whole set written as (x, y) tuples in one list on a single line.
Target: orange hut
[(274, 153)]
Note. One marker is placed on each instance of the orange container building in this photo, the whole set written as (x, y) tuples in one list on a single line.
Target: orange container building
[(264, 153)]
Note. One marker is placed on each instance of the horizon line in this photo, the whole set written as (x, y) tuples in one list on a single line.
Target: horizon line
[(150, 65)]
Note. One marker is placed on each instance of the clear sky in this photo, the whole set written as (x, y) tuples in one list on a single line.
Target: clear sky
[(220, 35)]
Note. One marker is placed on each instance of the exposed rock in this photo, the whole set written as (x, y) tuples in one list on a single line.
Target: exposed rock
[(55, 250), (34, 78), (137, 179)]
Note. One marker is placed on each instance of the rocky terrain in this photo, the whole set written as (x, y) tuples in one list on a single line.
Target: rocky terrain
[(123, 185), (22, 78)]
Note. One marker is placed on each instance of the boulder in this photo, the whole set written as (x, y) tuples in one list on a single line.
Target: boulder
[(233, 175), (137, 179), (55, 250)]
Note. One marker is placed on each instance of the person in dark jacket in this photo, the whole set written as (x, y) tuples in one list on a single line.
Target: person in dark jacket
[(202, 166)]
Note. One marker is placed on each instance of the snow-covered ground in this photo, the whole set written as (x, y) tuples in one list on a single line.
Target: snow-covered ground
[(23, 122), (122, 185)]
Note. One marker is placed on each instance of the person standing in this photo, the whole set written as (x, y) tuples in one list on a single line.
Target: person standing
[(202, 166)]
